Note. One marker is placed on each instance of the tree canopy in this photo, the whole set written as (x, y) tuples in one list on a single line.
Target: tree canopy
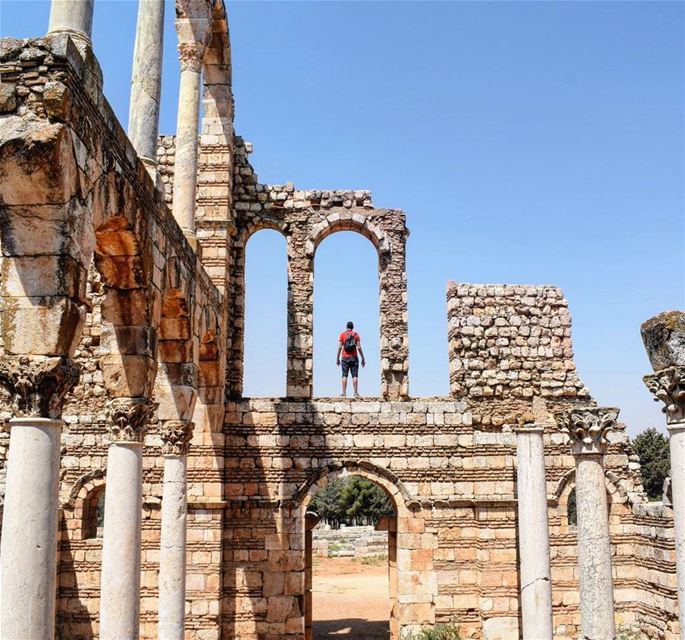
[(652, 447), (351, 501)]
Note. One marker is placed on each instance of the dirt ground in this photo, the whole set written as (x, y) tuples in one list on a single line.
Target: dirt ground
[(350, 599)]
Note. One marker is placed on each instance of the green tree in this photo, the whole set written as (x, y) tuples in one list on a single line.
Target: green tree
[(350, 501), (652, 447), (326, 504), (363, 501)]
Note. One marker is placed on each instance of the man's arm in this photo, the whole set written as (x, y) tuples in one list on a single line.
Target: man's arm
[(361, 352), (337, 357)]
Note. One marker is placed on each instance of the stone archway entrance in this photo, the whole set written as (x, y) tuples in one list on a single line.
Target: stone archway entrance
[(374, 629)]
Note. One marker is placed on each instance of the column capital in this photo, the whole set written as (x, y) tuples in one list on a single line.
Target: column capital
[(588, 428), (38, 384), (668, 385), (128, 418), (176, 436), (191, 55)]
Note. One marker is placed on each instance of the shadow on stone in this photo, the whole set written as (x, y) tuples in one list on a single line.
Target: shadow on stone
[(352, 629)]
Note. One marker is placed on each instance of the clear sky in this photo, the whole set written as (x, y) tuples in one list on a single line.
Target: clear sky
[(528, 142)]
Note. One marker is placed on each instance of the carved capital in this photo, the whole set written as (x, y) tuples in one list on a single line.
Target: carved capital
[(38, 384), (668, 385), (588, 428), (176, 435), (191, 55), (128, 418)]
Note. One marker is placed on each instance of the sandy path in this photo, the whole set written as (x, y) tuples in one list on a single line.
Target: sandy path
[(350, 600)]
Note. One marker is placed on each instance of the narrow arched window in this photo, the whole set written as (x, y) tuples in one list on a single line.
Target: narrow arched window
[(94, 513), (571, 511)]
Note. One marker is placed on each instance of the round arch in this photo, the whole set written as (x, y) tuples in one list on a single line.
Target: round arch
[(347, 222), (385, 479)]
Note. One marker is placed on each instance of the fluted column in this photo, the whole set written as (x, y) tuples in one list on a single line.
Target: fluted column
[(146, 81), (28, 550), (185, 167), (588, 429), (664, 339), (176, 435), (72, 16), (120, 577), (533, 532)]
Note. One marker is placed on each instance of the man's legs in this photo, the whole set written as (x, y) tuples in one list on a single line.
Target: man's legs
[(344, 385), (355, 384)]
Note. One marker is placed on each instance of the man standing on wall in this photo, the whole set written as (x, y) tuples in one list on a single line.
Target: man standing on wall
[(348, 344)]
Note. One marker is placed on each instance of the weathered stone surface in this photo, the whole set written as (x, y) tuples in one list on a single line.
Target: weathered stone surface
[(664, 339)]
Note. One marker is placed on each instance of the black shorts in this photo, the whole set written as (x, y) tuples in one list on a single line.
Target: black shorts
[(350, 365)]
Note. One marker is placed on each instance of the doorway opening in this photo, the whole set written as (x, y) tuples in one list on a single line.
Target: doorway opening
[(351, 562)]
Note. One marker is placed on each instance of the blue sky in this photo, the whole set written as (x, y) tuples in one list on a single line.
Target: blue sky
[(535, 142)]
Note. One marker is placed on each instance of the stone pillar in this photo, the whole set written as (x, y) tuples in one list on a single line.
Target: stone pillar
[(120, 577), (185, 167), (300, 372), (146, 81), (664, 339), (72, 16), (588, 429), (176, 435), (533, 532), (28, 550)]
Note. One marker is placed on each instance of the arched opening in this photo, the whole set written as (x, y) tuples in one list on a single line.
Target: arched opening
[(266, 315), (94, 513), (350, 560), (571, 509), (346, 288)]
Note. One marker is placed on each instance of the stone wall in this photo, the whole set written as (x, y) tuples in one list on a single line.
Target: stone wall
[(349, 542), (510, 342), (452, 477)]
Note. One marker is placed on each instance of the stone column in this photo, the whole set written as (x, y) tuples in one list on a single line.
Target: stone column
[(120, 577), (185, 167), (146, 81), (533, 532), (72, 16), (588, 429), (176, 435), (28, 550), (664, 339)]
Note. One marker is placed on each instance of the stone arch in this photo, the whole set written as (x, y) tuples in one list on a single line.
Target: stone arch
[(394, 525), (346, 221), (82, 503), (384, 478), (613, 483), (176, 382), (129, 310)]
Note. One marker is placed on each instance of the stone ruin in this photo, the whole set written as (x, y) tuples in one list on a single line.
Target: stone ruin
[(122, 317)]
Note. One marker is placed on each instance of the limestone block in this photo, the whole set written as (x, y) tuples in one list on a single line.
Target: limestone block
[(42, 276), (41, 326), (128, 376), (129, 340), (36, 163), (503, 628)]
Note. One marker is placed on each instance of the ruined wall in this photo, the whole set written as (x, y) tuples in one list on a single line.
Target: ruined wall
[(254, 465), (453, 478), (510, 342)]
